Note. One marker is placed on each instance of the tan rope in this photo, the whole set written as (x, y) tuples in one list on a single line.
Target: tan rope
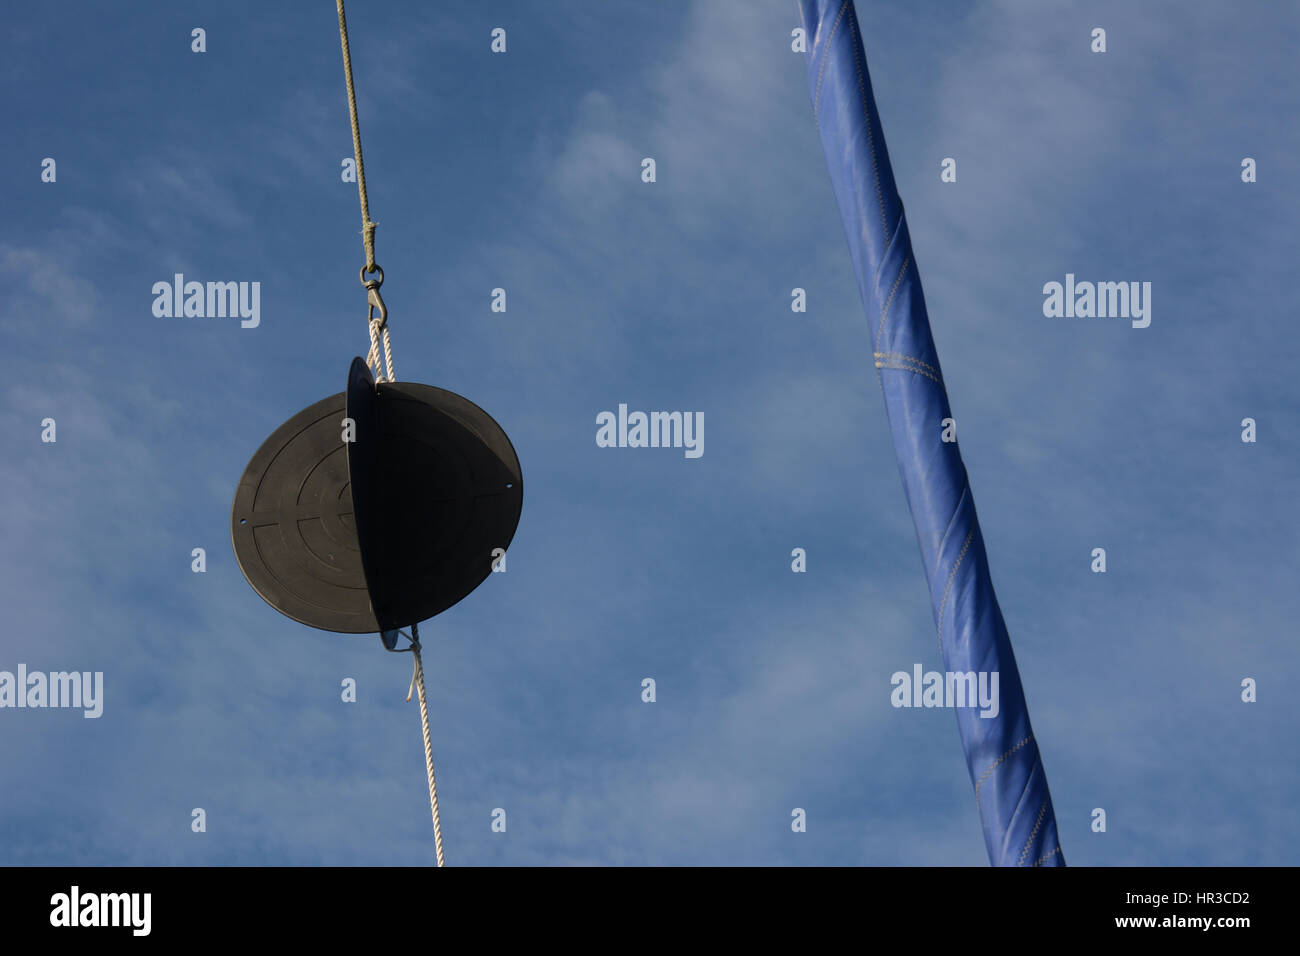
[(378, 318), (367, 227), (417, 680)]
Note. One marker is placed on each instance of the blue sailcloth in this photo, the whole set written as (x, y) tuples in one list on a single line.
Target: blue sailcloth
[(1002, 755)]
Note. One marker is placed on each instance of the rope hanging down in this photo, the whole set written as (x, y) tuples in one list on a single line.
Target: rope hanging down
[(378, 315), (378, 322), (417, 679)]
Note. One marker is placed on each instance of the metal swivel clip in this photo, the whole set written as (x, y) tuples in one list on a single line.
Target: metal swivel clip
[(378, 311)]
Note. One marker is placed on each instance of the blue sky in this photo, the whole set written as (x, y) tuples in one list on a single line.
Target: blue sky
[(522, 171)]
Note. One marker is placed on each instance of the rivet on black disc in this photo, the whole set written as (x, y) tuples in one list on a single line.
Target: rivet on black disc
[(293, 528)]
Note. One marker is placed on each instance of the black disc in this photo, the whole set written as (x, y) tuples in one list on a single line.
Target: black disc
[(376, 508), (292, 524), (446, 491)]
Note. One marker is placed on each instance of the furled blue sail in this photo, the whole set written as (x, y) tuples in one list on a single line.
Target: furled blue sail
[(1002, 755)]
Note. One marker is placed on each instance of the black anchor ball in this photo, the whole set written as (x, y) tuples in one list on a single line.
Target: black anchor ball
[(382, 524)]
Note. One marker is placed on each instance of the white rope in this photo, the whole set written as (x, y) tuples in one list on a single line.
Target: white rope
[(417, 680), (372, 358), (388, 355)]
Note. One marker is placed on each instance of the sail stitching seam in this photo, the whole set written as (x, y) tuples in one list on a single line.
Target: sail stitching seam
[(995, 766)]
